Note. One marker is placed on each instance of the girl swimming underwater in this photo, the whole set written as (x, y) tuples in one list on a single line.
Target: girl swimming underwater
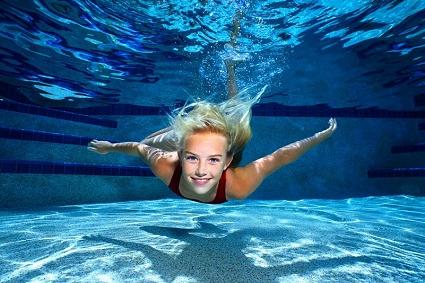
[(198, 155)]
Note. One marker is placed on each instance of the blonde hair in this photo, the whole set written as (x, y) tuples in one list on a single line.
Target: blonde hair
[(230, 118)]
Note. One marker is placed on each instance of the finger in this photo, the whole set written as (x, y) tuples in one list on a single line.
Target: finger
[(95, 142), (333, 125)]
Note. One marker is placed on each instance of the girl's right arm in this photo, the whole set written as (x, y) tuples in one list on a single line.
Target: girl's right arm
[(105, 147), (163, 139), (162, 163)]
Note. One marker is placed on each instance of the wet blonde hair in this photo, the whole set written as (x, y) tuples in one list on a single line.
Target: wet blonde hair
[(231, 118)]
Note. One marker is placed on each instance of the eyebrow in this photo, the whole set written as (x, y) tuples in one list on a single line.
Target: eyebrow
[(214, 155)]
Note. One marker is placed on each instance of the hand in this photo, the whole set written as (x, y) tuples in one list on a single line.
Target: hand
[(329, 131), (102, 147), (332, 125)]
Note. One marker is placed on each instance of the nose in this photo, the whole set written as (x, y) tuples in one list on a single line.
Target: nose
[(201, 169)]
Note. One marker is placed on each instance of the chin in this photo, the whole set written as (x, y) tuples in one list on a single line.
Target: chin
[(202, 189)]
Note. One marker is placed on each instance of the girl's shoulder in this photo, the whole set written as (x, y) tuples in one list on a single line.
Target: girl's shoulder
[(165, 165), (234, 183), (242, 181)]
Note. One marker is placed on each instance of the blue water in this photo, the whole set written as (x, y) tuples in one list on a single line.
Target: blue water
[(360, 55), (90, 52), (376, 239), (320, 219)]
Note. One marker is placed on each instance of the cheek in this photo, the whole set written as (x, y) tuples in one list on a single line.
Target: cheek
[(217, 170), (190, 168), (187, 167)]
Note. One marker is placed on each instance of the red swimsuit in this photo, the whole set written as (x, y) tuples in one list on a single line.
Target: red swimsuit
[(221, 192)]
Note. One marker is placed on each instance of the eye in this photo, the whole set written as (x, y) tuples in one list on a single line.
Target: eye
[(191, 158), (214, 160)]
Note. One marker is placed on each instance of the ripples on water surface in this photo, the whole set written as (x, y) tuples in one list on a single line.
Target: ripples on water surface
[(376, 239), (107, 51)]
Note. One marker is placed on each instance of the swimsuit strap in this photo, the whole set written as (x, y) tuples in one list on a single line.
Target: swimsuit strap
[(220, 197), (175, 180)]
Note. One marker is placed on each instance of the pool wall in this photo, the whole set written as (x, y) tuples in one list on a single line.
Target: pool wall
[(336, 168)]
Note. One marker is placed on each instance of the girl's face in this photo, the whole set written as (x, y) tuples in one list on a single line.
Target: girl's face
[(204, 158)]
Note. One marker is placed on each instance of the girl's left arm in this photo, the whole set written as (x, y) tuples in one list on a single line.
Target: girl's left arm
[(248, 178)]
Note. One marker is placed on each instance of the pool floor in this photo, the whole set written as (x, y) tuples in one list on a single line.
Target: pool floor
[(374, 239)]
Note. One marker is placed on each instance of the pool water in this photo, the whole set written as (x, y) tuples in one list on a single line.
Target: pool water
[(373, 239), (113, 69)]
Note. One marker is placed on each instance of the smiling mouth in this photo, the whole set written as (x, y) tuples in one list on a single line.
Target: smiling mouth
[(200, 181)]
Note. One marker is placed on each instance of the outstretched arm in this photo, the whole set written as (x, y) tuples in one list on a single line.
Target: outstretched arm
[(105, 147), (248, 178), (163, 139), (161, 162)]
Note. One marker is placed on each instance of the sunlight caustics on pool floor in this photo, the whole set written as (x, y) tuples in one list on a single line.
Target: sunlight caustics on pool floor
[(374, 239)]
